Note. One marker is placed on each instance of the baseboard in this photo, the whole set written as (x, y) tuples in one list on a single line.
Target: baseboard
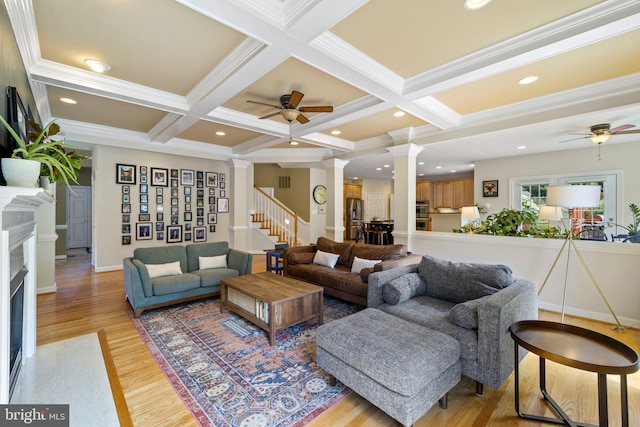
[(108, 268), (593, 315), (61, 256), (47, 290)]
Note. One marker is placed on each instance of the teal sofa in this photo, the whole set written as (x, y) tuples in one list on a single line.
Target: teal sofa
[(191, 282)]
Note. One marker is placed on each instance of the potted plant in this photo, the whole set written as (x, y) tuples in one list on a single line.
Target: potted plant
[(42, 155), (634, 227)]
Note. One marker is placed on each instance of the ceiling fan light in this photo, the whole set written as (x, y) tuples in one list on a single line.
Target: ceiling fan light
[(475, 4), (599, 138), (290, 114)]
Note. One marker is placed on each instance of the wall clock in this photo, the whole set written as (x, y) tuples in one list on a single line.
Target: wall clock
[(320, 194)]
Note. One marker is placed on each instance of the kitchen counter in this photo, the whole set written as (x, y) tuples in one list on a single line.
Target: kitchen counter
[(445, 221)]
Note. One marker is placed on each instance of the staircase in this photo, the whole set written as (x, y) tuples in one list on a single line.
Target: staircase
[(275, 220)]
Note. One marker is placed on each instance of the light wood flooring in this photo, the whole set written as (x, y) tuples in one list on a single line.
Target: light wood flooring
[(87, 302)]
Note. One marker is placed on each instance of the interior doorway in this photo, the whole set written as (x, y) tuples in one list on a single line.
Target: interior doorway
[(377, 206), (79, 217)]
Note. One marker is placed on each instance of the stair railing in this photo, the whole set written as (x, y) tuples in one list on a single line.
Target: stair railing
[(281, 221)]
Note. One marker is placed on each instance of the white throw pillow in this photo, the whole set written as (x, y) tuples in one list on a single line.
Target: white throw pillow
[(360, 263), (168, 269), (207, 262), (326, 258)]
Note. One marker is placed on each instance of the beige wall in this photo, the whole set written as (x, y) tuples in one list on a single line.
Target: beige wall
[(297, 197)]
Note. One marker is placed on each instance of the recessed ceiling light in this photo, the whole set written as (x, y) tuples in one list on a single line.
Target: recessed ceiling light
[(355, 177), (97, 66), (528, 80), (472, 165), (475, 4), (521, 147), (420, 174), (438, 167), (220, 133), (293, 142), (399, 114), (453, 170), (68, 101), (335, 132), (378, 169), (421, 163), (386, 166)]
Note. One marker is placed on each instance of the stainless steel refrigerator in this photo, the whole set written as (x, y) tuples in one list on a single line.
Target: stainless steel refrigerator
[(354, 213)]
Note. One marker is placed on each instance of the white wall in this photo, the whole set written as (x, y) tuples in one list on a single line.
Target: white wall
[(108, 250), (615, 267), (614, 157), (317, 220)]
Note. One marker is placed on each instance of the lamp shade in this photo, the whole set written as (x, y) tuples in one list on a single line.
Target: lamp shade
[(574, 196), (550, 213), (469, 212)]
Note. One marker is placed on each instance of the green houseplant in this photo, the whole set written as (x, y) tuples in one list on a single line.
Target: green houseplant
[(634, 227), (512, 222), (55, 161)]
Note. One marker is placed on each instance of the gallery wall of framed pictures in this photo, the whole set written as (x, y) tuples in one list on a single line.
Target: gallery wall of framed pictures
[(170, 205)]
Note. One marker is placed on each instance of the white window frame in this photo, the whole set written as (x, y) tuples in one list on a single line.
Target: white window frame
[(610, 180)]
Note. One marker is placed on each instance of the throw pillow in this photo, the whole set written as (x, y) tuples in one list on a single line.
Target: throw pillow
[(460, 282), (465, 314), (325, 258), (403, 288), (342, 249), (167, 269), (359, 264), (207, 262), (301, 258)]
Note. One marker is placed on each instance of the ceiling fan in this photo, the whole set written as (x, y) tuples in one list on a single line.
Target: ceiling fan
[(289, 108), (602, 132)]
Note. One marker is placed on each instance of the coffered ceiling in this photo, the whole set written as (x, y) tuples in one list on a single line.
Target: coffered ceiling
[(182, 71)]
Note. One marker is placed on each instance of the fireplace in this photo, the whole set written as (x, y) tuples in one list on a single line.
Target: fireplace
[(16, 324)]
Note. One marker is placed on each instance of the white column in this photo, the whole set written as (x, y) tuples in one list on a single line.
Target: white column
[(335, 179), (404, 189), (241, 189)]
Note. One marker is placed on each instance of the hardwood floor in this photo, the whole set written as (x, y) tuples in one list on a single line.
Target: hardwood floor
[(87, 302)]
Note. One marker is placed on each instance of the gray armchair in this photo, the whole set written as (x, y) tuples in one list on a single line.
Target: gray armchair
[(481, 325)]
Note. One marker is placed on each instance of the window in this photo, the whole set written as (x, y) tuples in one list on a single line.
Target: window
[(531, 193)]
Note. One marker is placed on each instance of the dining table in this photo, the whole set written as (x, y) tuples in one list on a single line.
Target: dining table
[(379, 232)]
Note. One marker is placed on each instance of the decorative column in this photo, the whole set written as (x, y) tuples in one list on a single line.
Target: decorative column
[(404, 189), (335, 210), (241, 190)]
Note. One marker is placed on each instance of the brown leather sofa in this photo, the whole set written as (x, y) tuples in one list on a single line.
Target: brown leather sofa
[(339, 281)]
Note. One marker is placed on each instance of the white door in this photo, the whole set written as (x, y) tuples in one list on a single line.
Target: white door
[(377, 206), (79, 217)]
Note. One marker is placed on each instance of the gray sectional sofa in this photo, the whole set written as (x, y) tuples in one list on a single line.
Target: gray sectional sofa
[(473, 303), (153, 279)]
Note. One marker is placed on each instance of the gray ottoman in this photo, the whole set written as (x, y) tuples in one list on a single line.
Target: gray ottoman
[(400, 367)]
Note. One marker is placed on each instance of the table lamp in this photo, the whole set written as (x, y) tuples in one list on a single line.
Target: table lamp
[(470, 214), (572, 197)]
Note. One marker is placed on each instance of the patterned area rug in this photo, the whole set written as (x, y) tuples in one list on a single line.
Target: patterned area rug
[(226, 372)]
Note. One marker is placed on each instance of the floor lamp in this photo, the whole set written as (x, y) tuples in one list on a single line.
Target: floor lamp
[(572, 197)]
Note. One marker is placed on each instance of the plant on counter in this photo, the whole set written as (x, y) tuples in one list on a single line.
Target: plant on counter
[(634, 227), (56, 162), (512, 222)]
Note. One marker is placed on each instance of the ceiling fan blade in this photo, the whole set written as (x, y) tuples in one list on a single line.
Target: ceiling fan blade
[(264, 103), (573, 139), (319, 109), (295, 99), (269, 115), (626, 132), (621, 128), (302, 119)]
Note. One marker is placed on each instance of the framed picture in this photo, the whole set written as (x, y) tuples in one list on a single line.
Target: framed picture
[(222, 177), (222, 185), (187, 199), (126, 208), (144, 217), (160, 177), (174, 182), (126, 218), (159, 200), (144, 188), (212, 191), (200, 202), (212, 229), (159, 191), (144, 198), (174, 220), (126, 189), (160, 235), (223, 193), (199, 175), (159, 208), (174, 201), (187, 216), (199, 211), (160, 226), (223, 205), (143, 170), (174, 173), (199, 193), (187, 191), (159, 217), (212, 208), (125, 198), (187, 207), (144, 208), (199, 234), (126, 239), (174, 233), (187, 227), (174, 192), (126, 228), (186, 177), (490, 188), (125, 174), (187, 237), (200, 221), (200, 183), (143, 179), (212, 218), (144, 231), (212, 179)]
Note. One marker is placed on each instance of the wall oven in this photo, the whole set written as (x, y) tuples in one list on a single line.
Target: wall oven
[(422, 216)]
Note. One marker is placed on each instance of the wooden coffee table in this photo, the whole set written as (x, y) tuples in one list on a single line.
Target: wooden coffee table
[(271, 301)]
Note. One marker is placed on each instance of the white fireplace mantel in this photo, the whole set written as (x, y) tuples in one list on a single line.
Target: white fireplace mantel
[(17, 218)]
